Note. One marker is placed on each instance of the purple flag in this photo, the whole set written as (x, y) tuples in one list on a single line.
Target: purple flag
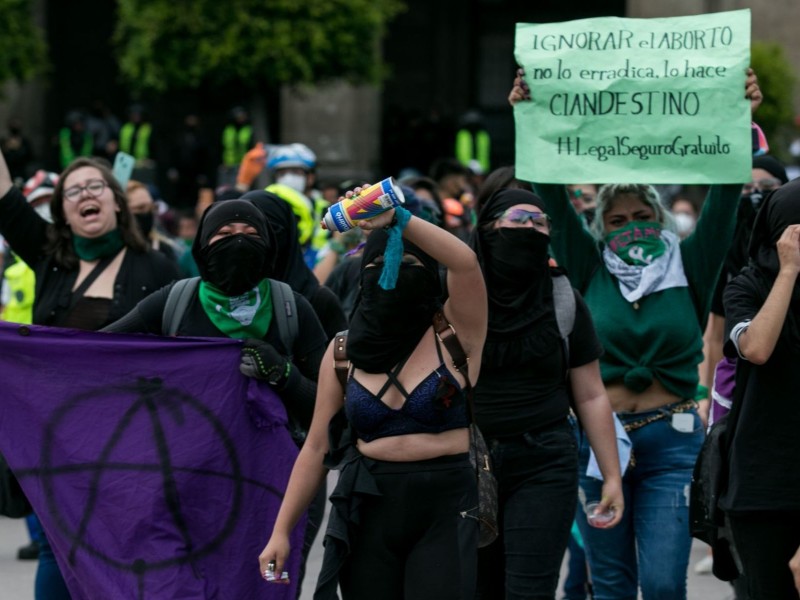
[(156, 468)]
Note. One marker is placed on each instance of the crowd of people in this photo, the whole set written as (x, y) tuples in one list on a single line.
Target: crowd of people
[(569, 324)]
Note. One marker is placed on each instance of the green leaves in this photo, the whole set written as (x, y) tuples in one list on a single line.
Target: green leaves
[(22, 45), (776, 80), (173, 44)]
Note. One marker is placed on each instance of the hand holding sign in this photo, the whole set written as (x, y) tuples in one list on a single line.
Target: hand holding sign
[(636, 100)]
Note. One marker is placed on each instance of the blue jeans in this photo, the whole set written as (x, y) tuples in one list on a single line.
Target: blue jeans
[(651, 544), (537, 494), (49, 584)]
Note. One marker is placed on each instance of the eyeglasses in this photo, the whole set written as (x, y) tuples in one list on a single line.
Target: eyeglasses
[(520, 216), (94, 188), (762, 184)]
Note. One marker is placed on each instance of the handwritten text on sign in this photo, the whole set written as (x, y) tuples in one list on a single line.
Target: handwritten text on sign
[(635, 100)]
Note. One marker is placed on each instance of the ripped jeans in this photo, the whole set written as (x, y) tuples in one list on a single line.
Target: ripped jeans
[(651, 544)]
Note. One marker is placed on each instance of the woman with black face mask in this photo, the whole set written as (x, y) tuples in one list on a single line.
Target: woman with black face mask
[(522, 403), (401, 524), (234, 251)]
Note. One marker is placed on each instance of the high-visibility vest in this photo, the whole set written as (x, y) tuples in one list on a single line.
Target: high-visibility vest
[(67, 152), (301, 207), (22, 287), (473, 146), (141, 149), (235, 144)]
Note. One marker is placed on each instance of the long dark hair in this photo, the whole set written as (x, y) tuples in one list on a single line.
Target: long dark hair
[(59, 234)]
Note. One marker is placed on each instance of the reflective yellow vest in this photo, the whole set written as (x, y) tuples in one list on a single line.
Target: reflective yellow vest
[(65, 146), (302, 209), (141, 150), (235, 144), (475, 146), (22, 285)]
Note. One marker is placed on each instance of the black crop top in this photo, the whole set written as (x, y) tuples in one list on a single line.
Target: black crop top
[(437, 404)]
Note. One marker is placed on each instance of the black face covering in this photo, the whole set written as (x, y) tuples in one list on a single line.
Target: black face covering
[(522, 323), (145, 222), (387, 325), (235, 264)]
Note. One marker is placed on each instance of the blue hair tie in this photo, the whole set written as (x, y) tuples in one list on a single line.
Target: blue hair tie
[(394, 250)]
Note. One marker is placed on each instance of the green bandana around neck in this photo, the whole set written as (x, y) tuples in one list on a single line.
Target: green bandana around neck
[(108, 244), (639, 243), (239, 317)]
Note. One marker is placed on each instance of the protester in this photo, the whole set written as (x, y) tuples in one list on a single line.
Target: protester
[(143, 209), (650, 325), (293, 170), (91, 264), (762, 314), (522, 403), (74, 140), (407, 488), (17, 149), (684, 213)]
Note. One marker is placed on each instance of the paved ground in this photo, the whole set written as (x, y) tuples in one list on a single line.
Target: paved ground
[(16, 577)]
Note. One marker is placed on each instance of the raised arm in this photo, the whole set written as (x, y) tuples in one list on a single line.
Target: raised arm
[(704, 251), (466, 307), (757, 339), (25, 231)]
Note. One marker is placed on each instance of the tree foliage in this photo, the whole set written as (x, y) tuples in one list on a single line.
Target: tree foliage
[(23, 50), (776, 80), (179, 44)]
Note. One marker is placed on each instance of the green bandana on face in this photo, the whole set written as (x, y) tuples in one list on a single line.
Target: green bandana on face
[(239, 317), (104, 246), (639, 243)]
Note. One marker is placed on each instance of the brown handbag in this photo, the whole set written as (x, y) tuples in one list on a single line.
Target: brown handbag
[(486, 511)]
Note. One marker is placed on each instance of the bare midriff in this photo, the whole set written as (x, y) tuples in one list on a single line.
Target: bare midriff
[(416, 446), (626, 400)]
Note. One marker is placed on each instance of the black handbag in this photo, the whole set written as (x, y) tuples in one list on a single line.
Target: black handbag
[(478, 451), (13, 502), (707, 522)]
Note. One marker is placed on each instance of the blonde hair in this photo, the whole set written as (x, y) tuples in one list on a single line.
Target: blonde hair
[(646, 193)]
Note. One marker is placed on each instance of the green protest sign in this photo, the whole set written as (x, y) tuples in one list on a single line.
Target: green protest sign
[(635, 100)]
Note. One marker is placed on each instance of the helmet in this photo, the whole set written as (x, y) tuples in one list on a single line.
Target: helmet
[(291, 155), (43, 183)]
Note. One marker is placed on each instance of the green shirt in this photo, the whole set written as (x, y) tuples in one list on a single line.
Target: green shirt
[(661, 335)]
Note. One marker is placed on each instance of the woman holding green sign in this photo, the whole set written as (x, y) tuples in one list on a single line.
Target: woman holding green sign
[(649, 295)]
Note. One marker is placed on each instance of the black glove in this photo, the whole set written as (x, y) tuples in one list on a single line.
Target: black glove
[(261, 360)]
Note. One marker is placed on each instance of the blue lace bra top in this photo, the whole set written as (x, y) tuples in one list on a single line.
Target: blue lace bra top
[(437, 404)]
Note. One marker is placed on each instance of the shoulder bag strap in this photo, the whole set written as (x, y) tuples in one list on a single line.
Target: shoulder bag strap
[(340, 362), (284, 310), (177, 303), (78, 293), (447, 336)]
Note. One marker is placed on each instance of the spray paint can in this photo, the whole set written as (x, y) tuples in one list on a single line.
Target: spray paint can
[(372, 201)]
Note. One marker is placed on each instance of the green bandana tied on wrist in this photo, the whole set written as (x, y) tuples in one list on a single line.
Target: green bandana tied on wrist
[(106, 245), (239, 317), (393, 255)]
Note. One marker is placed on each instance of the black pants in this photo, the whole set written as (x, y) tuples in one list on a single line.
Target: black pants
[(537, 475), (766, 541), (412, 542)]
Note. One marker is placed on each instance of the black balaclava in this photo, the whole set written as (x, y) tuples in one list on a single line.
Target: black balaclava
[(387, 325), (779, 209), (289, 264), (518, 282), (236, 263)]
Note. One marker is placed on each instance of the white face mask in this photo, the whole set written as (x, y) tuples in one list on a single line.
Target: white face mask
[(294, 181), (43, 211), (685, 224)]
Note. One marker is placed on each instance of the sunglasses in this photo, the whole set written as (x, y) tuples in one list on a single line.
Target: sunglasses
[(520, 216), (762, 184)]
